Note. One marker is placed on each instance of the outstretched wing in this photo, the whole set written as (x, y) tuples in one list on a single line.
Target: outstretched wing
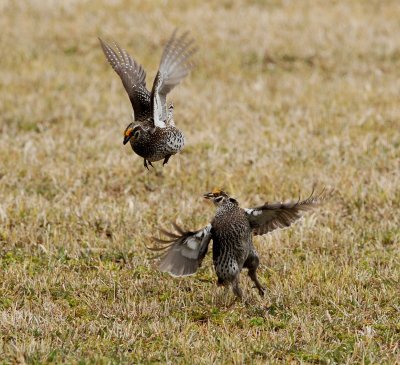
[(184, 251), (268, 217), (174, 67), (133, 78)]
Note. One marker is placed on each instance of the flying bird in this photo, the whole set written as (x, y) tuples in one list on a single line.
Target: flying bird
[(232, 230), (153, 134)]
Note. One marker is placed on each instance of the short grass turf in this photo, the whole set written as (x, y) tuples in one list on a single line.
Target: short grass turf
[(286, 94)]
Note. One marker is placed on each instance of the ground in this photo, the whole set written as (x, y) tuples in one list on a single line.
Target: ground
[(285, 95)]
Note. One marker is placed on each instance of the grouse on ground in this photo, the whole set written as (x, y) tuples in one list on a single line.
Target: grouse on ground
[(231, 230)]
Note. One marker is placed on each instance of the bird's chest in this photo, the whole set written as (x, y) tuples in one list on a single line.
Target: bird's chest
[(143, 147), (155, 146), (231, 236)]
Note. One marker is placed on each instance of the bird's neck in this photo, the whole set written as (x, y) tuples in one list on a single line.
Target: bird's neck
[(226, 208)]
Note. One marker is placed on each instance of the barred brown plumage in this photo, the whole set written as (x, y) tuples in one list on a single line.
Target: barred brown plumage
[(153, 134), (231, 230)]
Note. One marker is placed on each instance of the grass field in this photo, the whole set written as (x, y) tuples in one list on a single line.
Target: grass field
[(286, 94)]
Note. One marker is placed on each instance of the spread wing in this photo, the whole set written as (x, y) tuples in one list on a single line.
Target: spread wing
[(268, 217), (184, 251), (133, 78), (174, 67)]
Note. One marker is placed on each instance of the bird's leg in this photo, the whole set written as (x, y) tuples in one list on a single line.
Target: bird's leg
[(253, 277), (227, 302), (145, 164), (236, 288), (166, 159), (222, 299), (252, 263)]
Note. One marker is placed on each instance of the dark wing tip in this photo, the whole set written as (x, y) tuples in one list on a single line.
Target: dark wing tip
[(173, 238), (313, 199)]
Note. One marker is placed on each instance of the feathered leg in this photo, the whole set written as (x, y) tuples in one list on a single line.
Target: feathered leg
[(166, 159), (236, 288), (145, 164), (252, 263)]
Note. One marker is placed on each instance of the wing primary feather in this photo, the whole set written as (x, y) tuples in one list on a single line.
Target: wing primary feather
[(174, 67), (266, 218), (133, 78), (179, 229), (182, 254), (169, 234)]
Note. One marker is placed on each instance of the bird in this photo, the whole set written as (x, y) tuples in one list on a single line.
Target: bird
[(231, 230), (153, 134)]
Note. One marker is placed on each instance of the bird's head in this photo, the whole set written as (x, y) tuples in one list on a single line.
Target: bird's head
[(132, 132), (217, 196)]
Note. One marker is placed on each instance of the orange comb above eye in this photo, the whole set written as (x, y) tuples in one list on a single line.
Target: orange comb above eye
[(216, 191), (128, 132)]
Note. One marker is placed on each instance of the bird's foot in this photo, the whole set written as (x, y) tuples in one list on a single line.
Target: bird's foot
[(166, 159), (221, 283), (261, 290), (145, 164)]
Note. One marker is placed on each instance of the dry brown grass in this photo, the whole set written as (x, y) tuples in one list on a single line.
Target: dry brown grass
[(286, 94)]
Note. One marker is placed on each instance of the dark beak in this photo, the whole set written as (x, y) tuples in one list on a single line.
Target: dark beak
[(208, 196), (126, 139)]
